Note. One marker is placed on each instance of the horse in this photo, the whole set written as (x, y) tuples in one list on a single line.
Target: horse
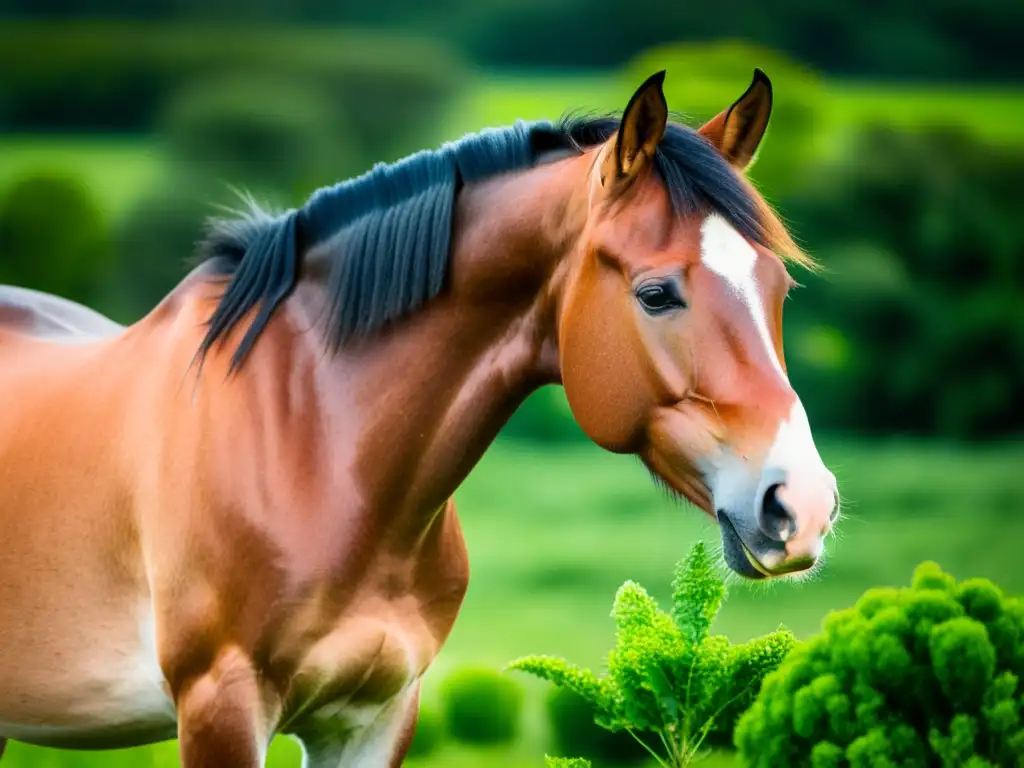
[(233, 518)]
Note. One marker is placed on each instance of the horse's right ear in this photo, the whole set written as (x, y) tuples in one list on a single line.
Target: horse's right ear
[(643, 125), (737, 131)]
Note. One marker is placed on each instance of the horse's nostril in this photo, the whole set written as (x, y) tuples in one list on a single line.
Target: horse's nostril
[(775, 520)]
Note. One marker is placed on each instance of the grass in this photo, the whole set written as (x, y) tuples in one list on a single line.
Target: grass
[(552, 534)]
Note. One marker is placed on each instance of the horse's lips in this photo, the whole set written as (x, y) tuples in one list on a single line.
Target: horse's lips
[(737, 555)]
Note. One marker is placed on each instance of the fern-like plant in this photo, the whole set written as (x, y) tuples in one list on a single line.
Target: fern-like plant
[(667, 674), (566, 762)]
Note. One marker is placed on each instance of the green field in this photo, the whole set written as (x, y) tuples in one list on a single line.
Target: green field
[(552, 534)]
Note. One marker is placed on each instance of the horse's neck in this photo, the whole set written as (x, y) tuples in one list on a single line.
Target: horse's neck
[(432, 392)]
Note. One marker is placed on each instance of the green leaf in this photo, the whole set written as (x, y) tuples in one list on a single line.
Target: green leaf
[(563, 674), (697, 595)]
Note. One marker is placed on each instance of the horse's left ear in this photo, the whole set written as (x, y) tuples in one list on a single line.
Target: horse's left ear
[(643, 125), (737, 132)]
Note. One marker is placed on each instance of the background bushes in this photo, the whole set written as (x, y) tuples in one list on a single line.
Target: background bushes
[(53, 236), (482, 706), (916, 324), (429, 732), (574, 732), (155, 243), (116, 76)]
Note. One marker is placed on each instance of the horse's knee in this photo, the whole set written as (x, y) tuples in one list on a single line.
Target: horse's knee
[(221, 717)]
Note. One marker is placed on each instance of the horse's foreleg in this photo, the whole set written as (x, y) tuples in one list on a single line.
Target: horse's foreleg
[(408, 730), (220, 721)]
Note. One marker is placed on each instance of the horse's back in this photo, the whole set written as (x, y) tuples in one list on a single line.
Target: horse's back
[(52, 318)]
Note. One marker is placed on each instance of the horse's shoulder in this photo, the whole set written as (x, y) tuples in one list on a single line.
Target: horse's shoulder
[(53, 318)]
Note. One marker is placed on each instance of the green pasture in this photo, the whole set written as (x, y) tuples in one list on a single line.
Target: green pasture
[(553, 532)]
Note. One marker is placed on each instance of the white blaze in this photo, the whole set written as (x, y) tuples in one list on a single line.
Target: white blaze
[(725, 252), (792, 458)]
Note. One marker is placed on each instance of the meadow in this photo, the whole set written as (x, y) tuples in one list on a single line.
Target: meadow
[(553, 532)]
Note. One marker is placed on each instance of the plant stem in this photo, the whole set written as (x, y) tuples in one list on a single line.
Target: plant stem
[(653, 754)]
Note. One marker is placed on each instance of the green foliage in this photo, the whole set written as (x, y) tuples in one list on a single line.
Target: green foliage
[(53, 237), (545, 416), (116, 76), (575, 731), (563, 762), (924, 39), (482, 706), (924, 257), (429, 732), (666, 674), (155, 244), (262, 133), (926, 675)]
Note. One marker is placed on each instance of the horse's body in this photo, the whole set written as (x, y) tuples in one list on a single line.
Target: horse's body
[(223, 547), (241, 526)]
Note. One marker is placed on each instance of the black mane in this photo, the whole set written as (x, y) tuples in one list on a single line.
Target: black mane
[(391, 227)]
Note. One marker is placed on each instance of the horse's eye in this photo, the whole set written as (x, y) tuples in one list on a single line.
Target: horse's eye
[(659, 297)]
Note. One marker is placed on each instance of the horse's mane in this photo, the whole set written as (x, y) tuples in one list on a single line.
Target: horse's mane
[(391, 227)]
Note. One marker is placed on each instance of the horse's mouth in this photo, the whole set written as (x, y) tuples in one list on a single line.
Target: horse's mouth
[(737, 555)]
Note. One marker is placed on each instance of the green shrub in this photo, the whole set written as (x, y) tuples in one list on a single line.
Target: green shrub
[(155, 244), (117, 75), (575, 732), (269, 134), (667, 675), (545, 417), (53, 236), (429, 732), (482, 706), (926, 675)]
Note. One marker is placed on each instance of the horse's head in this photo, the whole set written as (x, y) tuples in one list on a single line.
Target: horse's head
[(670, 330)]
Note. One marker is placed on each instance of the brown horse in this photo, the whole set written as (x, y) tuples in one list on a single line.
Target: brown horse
[(233, 518)]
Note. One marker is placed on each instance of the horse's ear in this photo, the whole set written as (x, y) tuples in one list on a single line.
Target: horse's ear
[(737, 132), (643, 125)]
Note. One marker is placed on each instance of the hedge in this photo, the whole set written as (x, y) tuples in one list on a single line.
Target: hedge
[(115, 76)]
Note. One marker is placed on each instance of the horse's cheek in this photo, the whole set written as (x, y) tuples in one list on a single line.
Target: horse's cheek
[(602, 368)]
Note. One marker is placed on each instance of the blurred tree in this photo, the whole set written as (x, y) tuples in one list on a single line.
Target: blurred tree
[(155, 242), (920, 39), (53, 237), (116, 77), (274, 135)]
